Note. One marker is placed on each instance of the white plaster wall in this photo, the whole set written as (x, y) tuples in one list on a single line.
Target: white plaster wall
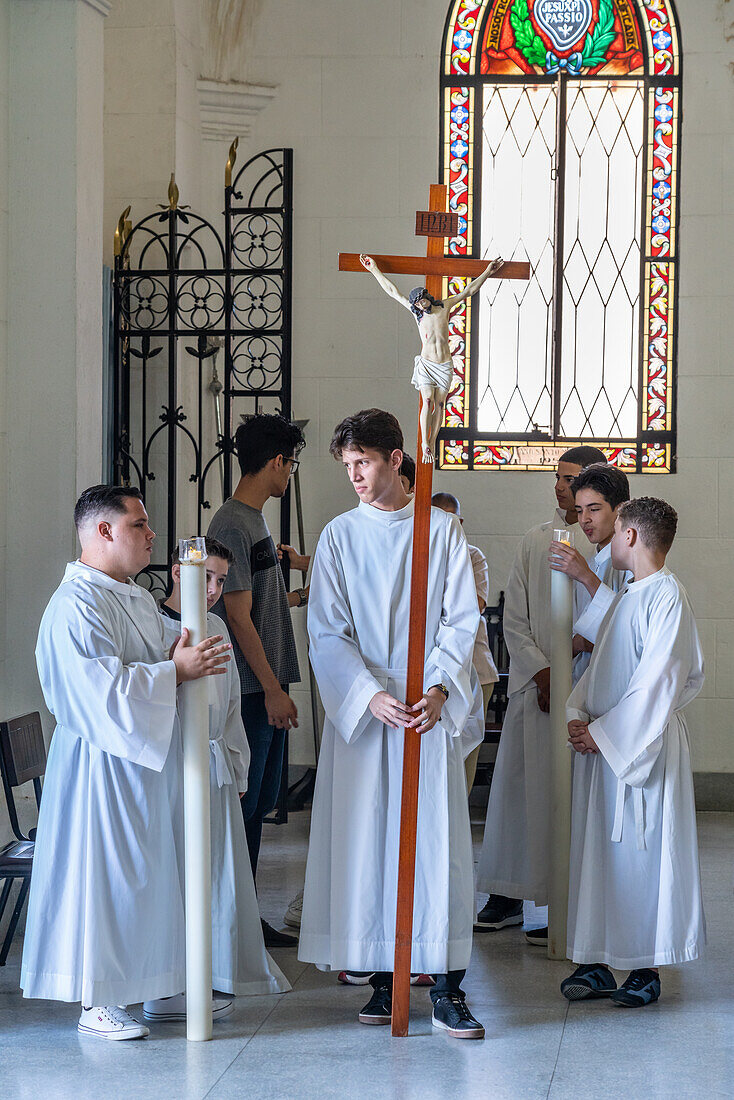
[(151, 128), (358, 102), (51, 400), (4, 167)]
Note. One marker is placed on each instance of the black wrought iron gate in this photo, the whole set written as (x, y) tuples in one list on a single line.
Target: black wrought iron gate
[(183, 294)]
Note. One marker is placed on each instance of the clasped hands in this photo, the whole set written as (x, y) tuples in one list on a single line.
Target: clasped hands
[(579, 737), (423, 716)]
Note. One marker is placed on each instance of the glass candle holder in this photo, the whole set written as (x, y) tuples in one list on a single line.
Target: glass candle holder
[(192, 551)]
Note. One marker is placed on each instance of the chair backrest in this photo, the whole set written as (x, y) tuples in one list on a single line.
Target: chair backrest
[(494, 616), (22, 758)]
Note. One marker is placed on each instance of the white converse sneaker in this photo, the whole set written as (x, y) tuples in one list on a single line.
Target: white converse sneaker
[(174, 1008), (111, 1022), (293, 913)]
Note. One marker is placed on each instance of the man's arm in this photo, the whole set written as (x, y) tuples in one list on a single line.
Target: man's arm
[(474, 285), (386, 285), (281, 709)]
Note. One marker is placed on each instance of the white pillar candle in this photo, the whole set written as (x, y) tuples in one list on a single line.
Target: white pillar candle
[(560, 777), (194, 711)]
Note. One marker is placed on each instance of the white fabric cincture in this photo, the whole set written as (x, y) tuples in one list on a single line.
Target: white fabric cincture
[(638, 801), (222, 769)]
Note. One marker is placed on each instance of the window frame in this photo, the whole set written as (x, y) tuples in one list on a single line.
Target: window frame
[(462, 445)]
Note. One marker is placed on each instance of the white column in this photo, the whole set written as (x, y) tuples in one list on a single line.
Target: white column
[(197, 820), (54, 300), (560, 778)]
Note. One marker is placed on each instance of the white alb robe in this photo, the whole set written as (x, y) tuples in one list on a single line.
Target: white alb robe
[(240, 963), (635, 892), (358, 619), (105, 914), (588, 611), (515, 854)]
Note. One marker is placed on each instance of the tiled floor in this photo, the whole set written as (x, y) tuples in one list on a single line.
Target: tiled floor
[(308, 1044)]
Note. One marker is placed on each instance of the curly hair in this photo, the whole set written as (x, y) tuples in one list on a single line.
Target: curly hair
[(655, 521)]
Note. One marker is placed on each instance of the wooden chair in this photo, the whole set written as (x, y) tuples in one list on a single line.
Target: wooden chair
[(494, 717), (22, 759)]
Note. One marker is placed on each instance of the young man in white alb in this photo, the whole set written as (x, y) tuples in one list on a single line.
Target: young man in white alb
[(105, 914), (635, 893), (515, 857), (359, 612)]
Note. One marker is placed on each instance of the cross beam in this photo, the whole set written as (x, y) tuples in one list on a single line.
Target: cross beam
[(442, 266), (434, 267)]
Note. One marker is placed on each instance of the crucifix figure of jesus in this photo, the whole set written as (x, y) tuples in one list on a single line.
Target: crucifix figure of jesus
[(433, 367)]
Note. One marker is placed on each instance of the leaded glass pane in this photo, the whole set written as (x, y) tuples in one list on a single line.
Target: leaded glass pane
[(601, 268), (515, 325)]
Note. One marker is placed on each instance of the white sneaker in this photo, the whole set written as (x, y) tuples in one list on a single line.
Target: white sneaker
[(174, 1008), (111, 1022), (294, 911)]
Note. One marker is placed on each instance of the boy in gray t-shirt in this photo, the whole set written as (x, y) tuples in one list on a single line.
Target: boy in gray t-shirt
[(256, 608), (256, 569)]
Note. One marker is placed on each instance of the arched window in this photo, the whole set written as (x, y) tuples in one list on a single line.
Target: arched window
[(560, 144)]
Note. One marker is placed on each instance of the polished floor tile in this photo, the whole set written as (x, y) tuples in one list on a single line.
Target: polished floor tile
[(309, 1045)]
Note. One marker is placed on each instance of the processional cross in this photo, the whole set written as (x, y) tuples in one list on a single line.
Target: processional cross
[(436, 224)]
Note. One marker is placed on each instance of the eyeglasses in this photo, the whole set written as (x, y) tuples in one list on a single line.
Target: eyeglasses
[(295, 463)]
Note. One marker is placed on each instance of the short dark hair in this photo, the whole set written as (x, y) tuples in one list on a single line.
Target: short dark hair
[(655, 521), (373, 428), (604, 479), (407, 469), (583, 456), (214, 549), (263, 436), (100, 499), (446, 500)]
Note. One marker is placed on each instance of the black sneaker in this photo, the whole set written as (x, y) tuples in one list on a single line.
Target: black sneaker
[(274, 938), (451, 1014), (588, 982), (378, 1009), (641, 988), (499, 912), (537, 936)]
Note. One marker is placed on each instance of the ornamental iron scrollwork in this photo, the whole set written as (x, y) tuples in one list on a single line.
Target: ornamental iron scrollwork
[(200, 317)]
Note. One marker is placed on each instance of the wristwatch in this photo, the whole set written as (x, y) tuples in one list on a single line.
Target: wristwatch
[(442, 688), (302, 594)]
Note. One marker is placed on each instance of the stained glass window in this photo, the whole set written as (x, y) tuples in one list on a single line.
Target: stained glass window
[(560, 145)]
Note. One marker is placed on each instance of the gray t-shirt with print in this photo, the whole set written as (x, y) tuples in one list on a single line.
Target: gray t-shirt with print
[(256, 569)]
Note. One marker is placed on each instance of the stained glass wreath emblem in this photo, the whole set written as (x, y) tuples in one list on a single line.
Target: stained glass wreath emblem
[(565, 23)]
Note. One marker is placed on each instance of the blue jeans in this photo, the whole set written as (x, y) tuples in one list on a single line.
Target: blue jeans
[(266, 764)]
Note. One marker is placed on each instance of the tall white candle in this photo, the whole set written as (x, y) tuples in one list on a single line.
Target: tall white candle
[(560, 778), (197, 821)]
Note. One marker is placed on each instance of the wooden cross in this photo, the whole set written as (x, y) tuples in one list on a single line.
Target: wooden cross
[(436, 224)]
